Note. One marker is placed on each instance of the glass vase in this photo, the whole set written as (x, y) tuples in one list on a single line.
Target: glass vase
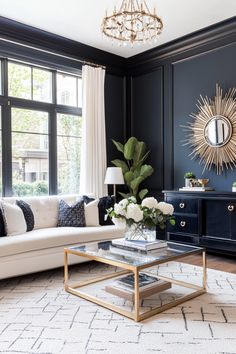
[(137, 232)]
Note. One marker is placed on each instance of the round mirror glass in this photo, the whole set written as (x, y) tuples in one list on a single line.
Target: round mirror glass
[(218, 131)]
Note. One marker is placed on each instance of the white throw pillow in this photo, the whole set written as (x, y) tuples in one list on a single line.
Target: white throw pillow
[(91, 213), (14, 219)]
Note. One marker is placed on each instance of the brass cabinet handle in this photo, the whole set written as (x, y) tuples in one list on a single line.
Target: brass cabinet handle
[(182, 223), (230, 207), (181, 205)]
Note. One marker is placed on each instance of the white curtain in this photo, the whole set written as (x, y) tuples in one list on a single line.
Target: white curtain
[(93, 150)]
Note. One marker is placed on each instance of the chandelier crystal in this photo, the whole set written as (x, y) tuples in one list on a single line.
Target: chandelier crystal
[(132, 23)]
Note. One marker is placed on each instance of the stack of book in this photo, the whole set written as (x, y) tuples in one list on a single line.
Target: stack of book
[(137, 246), (148, 285)]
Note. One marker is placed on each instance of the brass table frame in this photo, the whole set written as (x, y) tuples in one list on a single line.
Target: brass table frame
[(73, 288)]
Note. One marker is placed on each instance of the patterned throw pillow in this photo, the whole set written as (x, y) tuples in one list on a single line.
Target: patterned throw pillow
[(71, 215), (28, 214)]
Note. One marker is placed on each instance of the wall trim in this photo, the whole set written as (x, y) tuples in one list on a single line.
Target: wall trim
[(224, 31), (29, 35)]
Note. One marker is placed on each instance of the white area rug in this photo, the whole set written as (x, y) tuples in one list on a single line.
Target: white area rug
[(38, 316)]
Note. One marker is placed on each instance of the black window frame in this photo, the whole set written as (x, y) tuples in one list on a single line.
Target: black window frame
[(8, 102)]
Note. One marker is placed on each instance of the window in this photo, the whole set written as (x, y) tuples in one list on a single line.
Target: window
[(68, 152), (29, 152), (69, 90), (45, 143), (29, 82)]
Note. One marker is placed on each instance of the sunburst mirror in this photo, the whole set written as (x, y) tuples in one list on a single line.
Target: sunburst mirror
[(212, 132)]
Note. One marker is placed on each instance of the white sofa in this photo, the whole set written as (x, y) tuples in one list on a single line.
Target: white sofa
[(42, 248)]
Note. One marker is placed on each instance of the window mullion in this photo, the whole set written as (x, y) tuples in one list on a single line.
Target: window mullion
[(6, 150), (53, 151)]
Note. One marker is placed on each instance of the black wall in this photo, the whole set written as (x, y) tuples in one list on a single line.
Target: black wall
[(166, 83), (151, 94)]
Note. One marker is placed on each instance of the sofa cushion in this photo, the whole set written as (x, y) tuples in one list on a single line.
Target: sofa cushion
[(103, 204), (28, 214), (14, 219), (91, 213), (71, 215), (45, 210), (55, 237)]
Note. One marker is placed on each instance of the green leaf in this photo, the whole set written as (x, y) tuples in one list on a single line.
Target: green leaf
[(119, 146), (146, 171), (128, 176), (143, 159), (122, 164), (129, 148), (140, 149), (143, 193), (125, 195), (135, 184), (172, 222)]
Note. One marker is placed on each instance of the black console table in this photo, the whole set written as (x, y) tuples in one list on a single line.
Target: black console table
[(205, 219)]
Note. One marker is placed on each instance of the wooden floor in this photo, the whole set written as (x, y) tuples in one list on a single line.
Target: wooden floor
[(226, 264)]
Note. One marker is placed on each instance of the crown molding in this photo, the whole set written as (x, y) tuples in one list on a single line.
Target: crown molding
[(209, 37), (31, 36)]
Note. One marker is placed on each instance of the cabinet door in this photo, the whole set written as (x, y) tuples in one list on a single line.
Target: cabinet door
[(217, 219), (232, 210)]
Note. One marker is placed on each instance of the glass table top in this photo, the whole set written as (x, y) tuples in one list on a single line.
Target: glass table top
[(105, 250)]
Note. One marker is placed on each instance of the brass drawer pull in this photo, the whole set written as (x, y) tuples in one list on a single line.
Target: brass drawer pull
[(182, 223), (181, 205), (230, 207)]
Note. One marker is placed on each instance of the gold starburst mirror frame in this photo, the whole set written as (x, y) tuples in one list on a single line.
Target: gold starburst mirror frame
[(212, 133)]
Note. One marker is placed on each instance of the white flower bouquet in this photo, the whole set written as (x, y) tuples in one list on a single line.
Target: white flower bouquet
[(148, 214)]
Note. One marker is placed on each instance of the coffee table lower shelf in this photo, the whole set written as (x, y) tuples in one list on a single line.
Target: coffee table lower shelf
[(77, 288)]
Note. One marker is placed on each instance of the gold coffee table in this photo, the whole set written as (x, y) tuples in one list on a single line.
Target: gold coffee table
[(134, 262)]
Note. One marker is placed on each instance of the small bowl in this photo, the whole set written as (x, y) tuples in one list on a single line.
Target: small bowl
[(203, 181)]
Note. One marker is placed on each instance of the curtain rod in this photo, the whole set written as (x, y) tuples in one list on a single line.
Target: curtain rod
[(84, 62)]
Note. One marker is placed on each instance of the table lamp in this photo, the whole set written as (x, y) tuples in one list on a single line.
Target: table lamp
[(114, 176)]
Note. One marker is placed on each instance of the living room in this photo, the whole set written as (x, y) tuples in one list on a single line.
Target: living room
[(118, 157)]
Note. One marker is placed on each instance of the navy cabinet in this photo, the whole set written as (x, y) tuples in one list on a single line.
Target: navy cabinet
[(204, 218)]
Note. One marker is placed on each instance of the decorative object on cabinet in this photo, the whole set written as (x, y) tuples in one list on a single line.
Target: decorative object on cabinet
[(188, 177), (205, 219), (196, 185), (212, 134), (234, 187)]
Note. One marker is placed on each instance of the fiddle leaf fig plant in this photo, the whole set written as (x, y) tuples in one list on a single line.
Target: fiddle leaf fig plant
[(134, 170)]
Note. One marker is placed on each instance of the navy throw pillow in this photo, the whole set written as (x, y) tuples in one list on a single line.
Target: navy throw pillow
[(2, 224), (104, 204), (71, 215), (28, 214)]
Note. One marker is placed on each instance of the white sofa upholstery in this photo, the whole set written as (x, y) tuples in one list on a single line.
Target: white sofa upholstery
[(42, 248)]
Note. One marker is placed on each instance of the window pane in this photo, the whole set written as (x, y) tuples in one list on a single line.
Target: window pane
[(42, 85), (19, 80), (68, 152), (29, 153), (66, 90), (24, 120)]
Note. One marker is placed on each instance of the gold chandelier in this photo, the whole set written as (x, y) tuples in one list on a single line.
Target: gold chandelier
[(132, 23)]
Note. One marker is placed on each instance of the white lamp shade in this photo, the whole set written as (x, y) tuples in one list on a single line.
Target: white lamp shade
[(114, 175)]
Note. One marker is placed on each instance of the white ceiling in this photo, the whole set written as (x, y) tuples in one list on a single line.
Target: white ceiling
[(80, 20)]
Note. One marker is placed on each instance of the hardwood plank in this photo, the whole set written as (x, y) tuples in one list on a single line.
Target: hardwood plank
[(218, 262)]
